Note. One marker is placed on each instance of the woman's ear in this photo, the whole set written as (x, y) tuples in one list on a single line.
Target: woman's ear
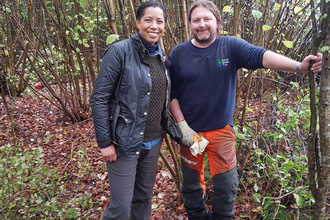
[(137, 22)]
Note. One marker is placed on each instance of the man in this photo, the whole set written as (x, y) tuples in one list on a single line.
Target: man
[(203, 74)]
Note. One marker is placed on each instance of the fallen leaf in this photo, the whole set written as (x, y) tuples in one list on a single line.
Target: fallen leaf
[(181, 207), (103, 176), (160, 195)]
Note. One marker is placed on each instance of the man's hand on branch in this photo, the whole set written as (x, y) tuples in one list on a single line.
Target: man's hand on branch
[(316, 67), (187, 133)]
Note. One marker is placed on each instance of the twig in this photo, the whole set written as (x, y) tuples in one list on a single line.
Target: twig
[(167, 164), (281, 197), (175, 177), (70, 156), (171, 146), (13, 198)]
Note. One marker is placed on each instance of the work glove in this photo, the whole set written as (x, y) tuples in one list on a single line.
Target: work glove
[(188, 134)]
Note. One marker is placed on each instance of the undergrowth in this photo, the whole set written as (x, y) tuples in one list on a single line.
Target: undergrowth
[(277, 174), (30, 190)]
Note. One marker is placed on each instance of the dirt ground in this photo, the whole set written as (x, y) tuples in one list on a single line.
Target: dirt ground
[(72, 149)]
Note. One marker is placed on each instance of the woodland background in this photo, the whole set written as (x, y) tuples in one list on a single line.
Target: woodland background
[(50, 164)]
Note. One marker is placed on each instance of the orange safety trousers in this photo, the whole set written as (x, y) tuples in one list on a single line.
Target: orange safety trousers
[(221, 153)]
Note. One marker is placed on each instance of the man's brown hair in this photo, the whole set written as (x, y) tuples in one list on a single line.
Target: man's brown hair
[(212, 8)]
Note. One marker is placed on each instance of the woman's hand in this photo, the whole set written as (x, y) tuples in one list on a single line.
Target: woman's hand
[(109, 153)]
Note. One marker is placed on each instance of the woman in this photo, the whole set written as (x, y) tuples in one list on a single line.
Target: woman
[(130, 111)]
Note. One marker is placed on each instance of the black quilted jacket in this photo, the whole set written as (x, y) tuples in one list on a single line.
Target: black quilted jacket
[(120, 119)]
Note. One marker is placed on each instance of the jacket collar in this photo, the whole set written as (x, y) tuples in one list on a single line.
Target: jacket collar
[(138, 45), (141, 49)]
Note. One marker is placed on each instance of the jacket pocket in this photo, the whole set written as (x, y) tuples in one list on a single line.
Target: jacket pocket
[(123, 130), (113, 117)]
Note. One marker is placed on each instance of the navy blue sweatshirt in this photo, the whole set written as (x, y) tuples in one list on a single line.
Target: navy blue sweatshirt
[(204, 79)]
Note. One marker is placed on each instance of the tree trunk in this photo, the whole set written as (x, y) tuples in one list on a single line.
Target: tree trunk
[(10, 84), (274, 23), (319, 157), (236, 18), (185, 19), (111, 17), (324, 119), (261, 23), (235, 32), (132, 11), (123, 19)]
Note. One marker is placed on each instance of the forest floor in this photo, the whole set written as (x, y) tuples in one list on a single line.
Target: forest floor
[(71, 149)]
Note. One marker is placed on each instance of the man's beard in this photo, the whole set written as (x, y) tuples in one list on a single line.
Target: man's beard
[(205, 40)]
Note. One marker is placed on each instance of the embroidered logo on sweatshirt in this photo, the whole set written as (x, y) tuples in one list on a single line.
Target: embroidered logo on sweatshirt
[(223, 62)]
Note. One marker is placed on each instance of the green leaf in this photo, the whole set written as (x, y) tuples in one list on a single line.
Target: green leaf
[(288, 44), (275, 137), (207, 174), (45, 170), (256, 197), (277, 6), (265, 27), (73, 213), (227, 8), (238, 135), (39, 200), (249, 109), (297, 9), (298, 199), (111, 38), (257, 14), (12, 204), (323, 17), (324, 48), (255, 187)]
